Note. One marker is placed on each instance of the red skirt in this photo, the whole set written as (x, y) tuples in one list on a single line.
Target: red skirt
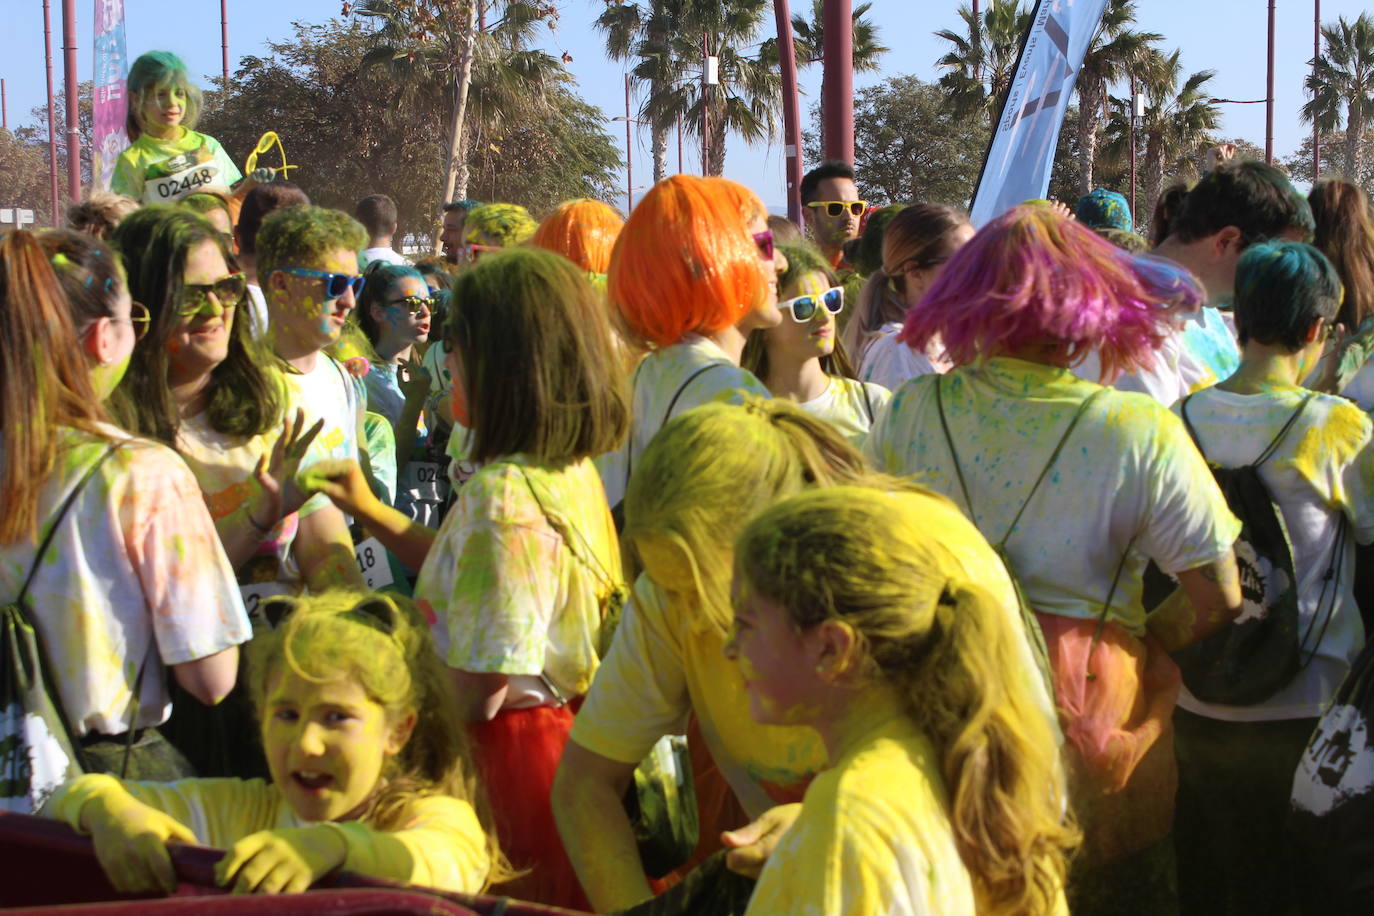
[(517, 755)]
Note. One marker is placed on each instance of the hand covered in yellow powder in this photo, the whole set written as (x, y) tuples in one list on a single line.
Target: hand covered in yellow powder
[(276, 472), (131, 841), (341, 479), (751, 845), (284, 861)]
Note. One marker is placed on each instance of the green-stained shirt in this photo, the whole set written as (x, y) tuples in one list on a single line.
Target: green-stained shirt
[(156, 171)]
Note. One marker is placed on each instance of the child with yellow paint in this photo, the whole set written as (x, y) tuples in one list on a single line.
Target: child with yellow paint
[(166, 159), (857, 613), (802, 359), (370, 771)]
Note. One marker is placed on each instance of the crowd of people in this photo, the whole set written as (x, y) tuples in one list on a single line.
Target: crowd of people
[(694, 561)]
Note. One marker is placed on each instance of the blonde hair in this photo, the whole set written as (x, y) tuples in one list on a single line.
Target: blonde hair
[(383, 643), (876, 559), (709, 471)]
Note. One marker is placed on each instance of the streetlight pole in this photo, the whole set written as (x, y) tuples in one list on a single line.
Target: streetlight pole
[(52, 111), (1269, 94), (224, 42), (629, 164), (4, 107), (791, 115), (679, 143), (73, 100)]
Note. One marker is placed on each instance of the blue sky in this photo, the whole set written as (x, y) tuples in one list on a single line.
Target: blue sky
[(1227, 36)]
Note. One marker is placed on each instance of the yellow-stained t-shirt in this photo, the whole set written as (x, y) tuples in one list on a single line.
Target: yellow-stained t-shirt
[(873, 836), (667, 383), (1128, 474), (850, 406), (135, 571), (515, 579), (442, 844), (154, 171)]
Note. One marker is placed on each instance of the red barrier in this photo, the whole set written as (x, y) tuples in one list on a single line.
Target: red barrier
[(53, 869)]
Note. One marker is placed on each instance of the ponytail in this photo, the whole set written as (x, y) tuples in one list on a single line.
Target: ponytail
[(45, 381), (880, 558)]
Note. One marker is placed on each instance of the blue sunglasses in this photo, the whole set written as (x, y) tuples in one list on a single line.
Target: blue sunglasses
[(334, 284), (803, 308)]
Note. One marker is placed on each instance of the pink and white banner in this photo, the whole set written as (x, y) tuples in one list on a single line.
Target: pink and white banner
[(109, 85)]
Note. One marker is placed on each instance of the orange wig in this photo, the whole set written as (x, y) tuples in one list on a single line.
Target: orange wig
[(583, 231), (685, 261)]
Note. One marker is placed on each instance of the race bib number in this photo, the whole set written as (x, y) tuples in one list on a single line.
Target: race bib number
[(373, 564), (255, 594), (181, 175), (422, 481)]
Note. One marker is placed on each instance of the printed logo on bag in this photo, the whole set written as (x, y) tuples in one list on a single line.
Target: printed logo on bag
[(1338, 764), (32, 761), (1262, 583)]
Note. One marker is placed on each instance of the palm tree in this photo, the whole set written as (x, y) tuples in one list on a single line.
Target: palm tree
[(809, 37), (1179, 119), (982, 62), (643, 32), (1344, 76), (1116, 52)]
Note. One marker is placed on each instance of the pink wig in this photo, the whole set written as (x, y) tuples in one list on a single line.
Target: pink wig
[(1031, 276)]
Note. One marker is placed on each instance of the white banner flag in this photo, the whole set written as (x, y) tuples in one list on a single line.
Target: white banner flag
[(1022, 154)]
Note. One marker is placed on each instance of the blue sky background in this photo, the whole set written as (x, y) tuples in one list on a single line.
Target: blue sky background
[(1223, 35)]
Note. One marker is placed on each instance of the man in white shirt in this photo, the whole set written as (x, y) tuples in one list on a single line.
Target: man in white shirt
[(308, 266), (377, 213)]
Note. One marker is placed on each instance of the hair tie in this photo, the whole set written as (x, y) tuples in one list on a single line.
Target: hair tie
[(61, 260)]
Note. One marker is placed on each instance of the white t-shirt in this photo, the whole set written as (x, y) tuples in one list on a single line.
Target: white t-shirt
[(135, 563), (257, 311), (389, 255), (328, 392), (1361, 388), (1323, 469), (849, 405), (1128, 471), (1199, 353), (889, 362), (668, 383)]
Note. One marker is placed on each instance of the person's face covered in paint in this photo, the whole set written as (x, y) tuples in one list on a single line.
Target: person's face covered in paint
[(304, 313)]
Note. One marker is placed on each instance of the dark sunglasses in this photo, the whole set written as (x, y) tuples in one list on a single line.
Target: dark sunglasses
[(334, 284), (229, 293), (837, 207), (803, 308), (764, 240), (414, 304)]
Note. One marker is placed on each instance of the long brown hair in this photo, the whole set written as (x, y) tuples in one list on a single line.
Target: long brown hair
[(45, 381), (802, 259), (1345, 234)]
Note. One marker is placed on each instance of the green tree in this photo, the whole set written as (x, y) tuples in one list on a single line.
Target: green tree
[(643, 33), (1343, 77), (24, 177), (1115, 53), (909, 147), (1334, 146), (808, 35), (37, 134), (1176, 130), (981, 63)]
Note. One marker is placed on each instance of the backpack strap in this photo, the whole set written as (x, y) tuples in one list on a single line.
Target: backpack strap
[(58, 518), (868, 402), (1330, 586), (1054, 456), (667, 415), (1268, 450)]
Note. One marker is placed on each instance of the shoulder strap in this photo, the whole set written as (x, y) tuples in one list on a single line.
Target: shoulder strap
[(587, 556), (668, 414), (868, 403), (58, 518), (1268, 450), (1054, 456)]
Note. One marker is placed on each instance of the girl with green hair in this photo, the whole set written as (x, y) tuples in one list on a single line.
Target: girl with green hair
[(166, 159), (802, 359)]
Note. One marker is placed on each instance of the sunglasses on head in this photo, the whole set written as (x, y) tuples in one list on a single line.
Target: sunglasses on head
[(413, 304), (140, 318), (803, 308), (334, 284), (837, 207), (229, 293)]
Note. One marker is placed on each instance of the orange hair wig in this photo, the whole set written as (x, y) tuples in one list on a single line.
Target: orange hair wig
[(685, 261), (583, 231)]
